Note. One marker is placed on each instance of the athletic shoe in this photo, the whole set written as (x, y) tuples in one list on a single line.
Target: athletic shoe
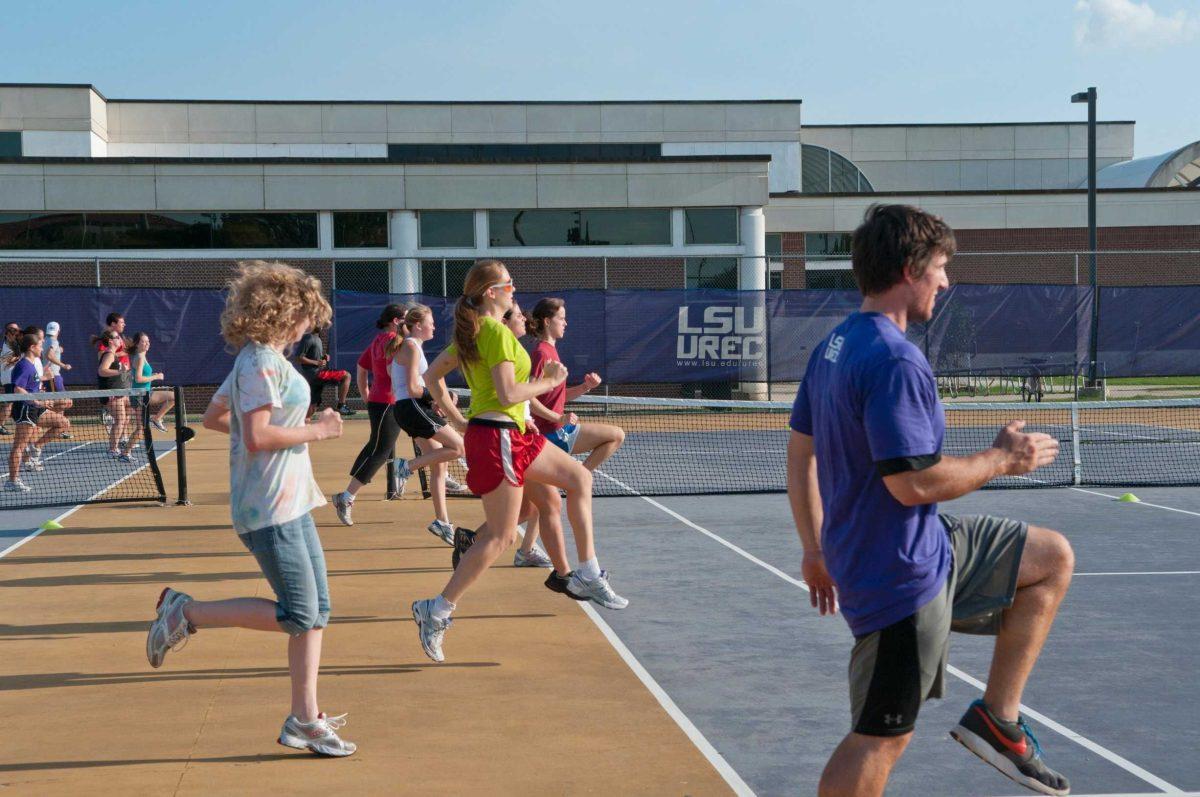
[(343, 504), (597, 590), (454, 487), (107, 419), (126, 457), (319, 736), (557, 583), (396, 486), (430, 630), (157, 424), (33, 457), (5, 430), (114, 454), (170, 629), (535, 558), (66, 436), (345, 411), (124, 441), (443, 531), (16, 486), (463, 540), (1010, 747)]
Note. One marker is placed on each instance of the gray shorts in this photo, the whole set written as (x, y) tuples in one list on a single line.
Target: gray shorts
[(895, 669), (291, 558)]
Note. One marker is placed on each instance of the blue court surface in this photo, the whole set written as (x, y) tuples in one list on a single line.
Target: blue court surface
[(73, 471), (721, 623)]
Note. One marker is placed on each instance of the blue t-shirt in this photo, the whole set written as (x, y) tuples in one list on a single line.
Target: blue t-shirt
[(869, 396), (24, 374)]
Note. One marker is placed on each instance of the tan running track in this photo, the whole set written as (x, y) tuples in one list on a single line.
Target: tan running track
[(531, 700)]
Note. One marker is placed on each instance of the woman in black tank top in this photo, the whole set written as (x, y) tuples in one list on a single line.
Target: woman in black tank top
[(112, 374)]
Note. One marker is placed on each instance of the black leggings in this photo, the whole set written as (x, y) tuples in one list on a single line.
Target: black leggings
[(381, 445)]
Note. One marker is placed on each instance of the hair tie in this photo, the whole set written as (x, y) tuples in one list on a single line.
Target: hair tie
[(469, 302)]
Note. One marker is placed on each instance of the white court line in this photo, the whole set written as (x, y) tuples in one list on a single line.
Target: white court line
[(77, 507), (1137, 503), (59, 454), (1083, 741), (1144, 573), (739, 786)]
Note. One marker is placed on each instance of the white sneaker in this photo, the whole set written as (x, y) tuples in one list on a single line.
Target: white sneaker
[(170, 629), (597, 590), (535, 558), (455, 487), (430, 630), (16, 486), (157, 424), (319, 736), (33, 457), (343, 504), (441, 530)]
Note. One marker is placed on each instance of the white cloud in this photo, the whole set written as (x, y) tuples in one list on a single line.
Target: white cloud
[(1129, 24)]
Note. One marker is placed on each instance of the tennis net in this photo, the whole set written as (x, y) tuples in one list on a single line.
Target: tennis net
[(692, 447), (56, 449)]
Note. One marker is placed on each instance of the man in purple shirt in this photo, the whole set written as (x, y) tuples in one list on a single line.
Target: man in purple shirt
[(865, 474)]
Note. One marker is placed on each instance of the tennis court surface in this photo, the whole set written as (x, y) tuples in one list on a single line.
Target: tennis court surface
[(719, 678)]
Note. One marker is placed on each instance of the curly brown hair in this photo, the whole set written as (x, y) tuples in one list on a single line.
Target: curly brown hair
[(267, 299)]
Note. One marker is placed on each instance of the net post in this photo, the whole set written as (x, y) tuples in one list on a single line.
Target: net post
[(1076, 461), (181, 448)]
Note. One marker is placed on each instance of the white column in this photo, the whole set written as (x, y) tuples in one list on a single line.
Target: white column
[(325, 230), (752, 274), (481, 232), (406, 269)]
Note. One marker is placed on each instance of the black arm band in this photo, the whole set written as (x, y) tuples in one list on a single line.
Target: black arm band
[(890, 467)]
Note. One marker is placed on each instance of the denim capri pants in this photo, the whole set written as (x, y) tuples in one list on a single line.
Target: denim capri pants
[(291, 558)]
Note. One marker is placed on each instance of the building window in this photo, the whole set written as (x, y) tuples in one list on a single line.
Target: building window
[(827, 244), (360, 230), (774, 242), (711, 273), (444, 277), (158, 231), (10, 144), (710, 225), (447, 229), (521, 153), (775, 280), (366, 276), (823, 171), (831, 279), (590, 227)]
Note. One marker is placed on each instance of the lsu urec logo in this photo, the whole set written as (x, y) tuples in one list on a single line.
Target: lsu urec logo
[(834, 348), (722, 335)]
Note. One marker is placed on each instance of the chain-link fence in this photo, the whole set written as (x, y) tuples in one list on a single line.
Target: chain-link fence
[(1021, 328)]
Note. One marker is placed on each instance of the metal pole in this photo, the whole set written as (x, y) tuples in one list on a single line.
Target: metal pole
[(181, 448), (1089, 97), (97, 272)]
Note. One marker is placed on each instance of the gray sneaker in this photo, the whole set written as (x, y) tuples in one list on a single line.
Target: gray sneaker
[(430, 630), (443, 531), (535, 558), (16, 486), (157, 424), (343, 504), (170, 629), (320, 736), (597, 590)]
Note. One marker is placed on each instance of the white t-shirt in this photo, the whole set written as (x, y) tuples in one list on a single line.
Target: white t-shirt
[(267, 488), (6, 367), (399, 373), (50, 347)]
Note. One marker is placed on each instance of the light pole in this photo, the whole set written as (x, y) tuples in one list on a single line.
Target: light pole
[(1089, 97)]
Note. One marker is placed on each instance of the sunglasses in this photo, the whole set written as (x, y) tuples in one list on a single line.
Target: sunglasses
[(507, 287)]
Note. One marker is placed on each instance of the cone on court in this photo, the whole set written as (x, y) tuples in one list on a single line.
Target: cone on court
[(1129, 498), (50, 525)]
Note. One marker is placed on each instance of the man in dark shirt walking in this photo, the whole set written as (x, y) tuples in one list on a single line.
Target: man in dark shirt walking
[(865, 474), (313, 363)]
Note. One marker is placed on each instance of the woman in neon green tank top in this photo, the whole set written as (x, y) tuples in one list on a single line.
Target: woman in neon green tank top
[(507, 460)]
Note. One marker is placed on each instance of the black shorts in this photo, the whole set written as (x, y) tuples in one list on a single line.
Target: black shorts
[(26, 412), (895, 669), (417, 418)]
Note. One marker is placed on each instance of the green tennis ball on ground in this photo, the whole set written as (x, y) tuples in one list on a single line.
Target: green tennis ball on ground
[(50, 525), (1129, 498)]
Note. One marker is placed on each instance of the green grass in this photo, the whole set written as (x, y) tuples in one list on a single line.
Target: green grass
[(1158, 381)]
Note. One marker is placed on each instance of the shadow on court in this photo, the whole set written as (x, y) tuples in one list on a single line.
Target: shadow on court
[(299, 755), (55, 680)]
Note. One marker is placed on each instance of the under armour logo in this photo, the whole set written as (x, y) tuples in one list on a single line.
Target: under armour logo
[(893, 719)]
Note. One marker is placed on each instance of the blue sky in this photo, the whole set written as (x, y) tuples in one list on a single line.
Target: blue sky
[(864, 62)]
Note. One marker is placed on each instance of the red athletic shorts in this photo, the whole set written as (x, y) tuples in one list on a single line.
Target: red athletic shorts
[(327, 375), (498, 451)]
